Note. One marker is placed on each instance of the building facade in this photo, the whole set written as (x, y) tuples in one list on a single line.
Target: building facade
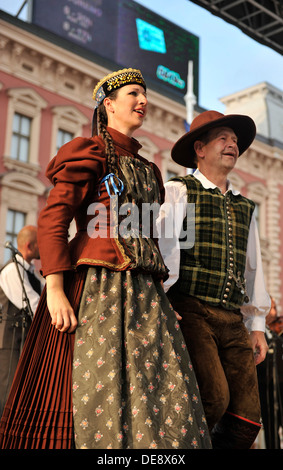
[(46, 100)]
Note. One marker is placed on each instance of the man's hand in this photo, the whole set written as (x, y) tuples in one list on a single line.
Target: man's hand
[(176, 313), (259, 345)]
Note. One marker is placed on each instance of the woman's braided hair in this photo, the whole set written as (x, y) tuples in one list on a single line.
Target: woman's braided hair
[(107, 139)]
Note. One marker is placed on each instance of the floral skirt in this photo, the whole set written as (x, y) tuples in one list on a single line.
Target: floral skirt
[(133, 382)]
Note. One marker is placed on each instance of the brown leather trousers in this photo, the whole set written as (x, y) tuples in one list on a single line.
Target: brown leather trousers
[(221, 353)]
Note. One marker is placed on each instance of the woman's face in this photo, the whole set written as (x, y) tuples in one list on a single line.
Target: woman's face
[(127, 111)]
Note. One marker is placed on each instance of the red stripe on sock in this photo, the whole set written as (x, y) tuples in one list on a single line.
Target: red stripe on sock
[(244, 419)]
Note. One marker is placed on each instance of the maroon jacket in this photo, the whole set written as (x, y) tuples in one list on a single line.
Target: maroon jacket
[(76, 173)]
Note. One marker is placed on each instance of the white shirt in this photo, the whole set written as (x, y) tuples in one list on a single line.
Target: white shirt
[(255, 311), (12, 287)]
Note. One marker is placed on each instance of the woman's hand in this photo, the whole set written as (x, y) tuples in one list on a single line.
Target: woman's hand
[(62, 314)]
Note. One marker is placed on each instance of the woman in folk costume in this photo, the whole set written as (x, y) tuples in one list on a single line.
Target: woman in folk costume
[(110, 370)]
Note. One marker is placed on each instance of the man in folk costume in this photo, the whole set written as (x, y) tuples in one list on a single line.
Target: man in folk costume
[(216, 283)]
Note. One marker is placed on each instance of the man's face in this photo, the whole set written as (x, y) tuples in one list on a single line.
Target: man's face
[(221, 150)]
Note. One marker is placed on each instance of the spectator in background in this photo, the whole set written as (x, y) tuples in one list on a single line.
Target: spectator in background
[(16, 318), (270, 380)]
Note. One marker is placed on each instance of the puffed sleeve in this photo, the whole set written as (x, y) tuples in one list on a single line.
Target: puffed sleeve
[(73, 173)]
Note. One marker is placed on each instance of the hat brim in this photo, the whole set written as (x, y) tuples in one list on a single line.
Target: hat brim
[(243, 126)]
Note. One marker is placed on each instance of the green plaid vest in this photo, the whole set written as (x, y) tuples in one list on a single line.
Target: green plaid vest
[(213, 269)]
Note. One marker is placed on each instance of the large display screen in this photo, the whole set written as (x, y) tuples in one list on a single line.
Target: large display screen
[(128, 35)]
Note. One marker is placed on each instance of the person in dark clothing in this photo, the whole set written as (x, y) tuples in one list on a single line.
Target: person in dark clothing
[(16, 317), (270, 380)]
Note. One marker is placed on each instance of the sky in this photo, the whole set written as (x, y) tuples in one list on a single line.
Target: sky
[(229, 60)]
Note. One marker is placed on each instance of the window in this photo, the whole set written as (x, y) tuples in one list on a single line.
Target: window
[(258, 193), (21, 138), (15, 222), (171, 174), (20, 193), (257, 214), (67, 124), (63, 137)]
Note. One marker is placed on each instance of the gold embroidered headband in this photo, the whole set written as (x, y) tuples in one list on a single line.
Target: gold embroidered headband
[(116, 80)]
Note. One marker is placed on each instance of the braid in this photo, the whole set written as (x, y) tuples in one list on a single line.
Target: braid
[(109, 146)]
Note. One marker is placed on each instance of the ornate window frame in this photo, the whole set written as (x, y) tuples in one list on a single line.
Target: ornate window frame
[(19, 192), (257, 192), (27, 102), (168, 165), (67, 118)]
